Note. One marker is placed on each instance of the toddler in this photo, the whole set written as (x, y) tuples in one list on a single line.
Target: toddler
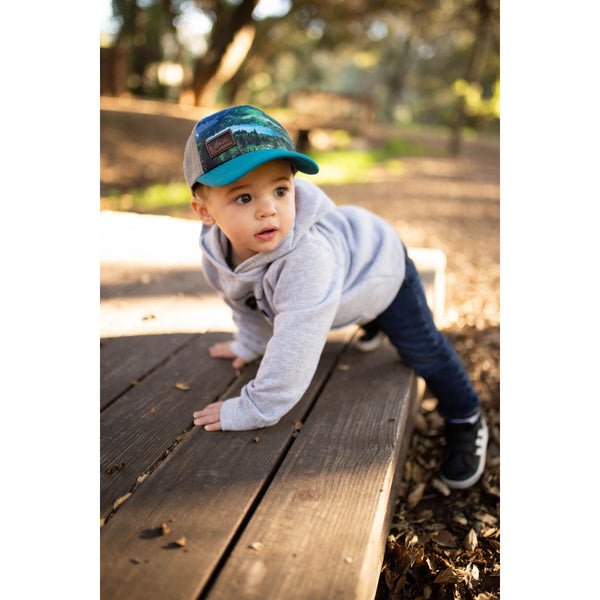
[(292, 266)]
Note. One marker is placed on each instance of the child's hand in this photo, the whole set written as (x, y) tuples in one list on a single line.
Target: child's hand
[(210, 417), (223, 350)]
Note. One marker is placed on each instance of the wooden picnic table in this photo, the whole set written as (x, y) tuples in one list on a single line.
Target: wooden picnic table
[(299, 510)]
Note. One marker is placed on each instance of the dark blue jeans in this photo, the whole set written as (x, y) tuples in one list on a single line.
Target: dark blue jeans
[(409, 325)]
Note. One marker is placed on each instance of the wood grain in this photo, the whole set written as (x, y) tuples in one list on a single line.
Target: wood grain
[(320, 530), (203, 491), (124, 360), (137, 429)]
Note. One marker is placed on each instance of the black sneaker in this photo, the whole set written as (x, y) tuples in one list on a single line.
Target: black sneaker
[(371, 339), (464, 460)]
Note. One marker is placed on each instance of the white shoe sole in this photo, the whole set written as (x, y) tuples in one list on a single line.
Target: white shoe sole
[(466, 483), (371, 344)]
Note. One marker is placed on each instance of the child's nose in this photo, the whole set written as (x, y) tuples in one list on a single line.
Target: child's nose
[(265, 208)]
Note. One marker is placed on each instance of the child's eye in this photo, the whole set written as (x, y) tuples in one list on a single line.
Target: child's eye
[(280, 191), (243, 199)]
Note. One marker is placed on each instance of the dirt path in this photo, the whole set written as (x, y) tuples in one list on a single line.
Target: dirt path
[(441, 546)]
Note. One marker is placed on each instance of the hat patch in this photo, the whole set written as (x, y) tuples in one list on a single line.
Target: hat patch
[(220, 142)]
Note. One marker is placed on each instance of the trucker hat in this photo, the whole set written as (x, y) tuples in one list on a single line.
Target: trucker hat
[(230, 143)]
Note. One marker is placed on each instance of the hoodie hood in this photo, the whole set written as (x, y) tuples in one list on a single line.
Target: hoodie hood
[(312, 204)]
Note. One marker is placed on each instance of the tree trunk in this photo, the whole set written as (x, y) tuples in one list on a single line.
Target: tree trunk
[(232, 36), (475, 72)]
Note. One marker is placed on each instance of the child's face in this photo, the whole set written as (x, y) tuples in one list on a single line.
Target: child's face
[(255, 212)]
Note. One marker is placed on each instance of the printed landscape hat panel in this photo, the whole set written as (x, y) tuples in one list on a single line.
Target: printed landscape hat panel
[(230, 143)]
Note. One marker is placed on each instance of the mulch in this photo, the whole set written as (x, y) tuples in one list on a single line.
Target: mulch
[(442, 545)]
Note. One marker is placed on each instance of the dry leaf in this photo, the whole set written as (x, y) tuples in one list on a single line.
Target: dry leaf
[(164, 529), (182, 386), (448, 575), (471, 573), (415, 495), (424, 515), (119, 467), (429, 404), (444, 576), (444, 538), (487, 532), (420, 423), (180, 542), (493, 490), (418, 476), (486, 518), (461, 519), (470, 541), (120, 500), (348, 560), (256, 546), (440, 486), (297, 427), (256, 440)]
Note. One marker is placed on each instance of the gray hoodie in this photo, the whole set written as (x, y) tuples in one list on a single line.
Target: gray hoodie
[(335, 267)]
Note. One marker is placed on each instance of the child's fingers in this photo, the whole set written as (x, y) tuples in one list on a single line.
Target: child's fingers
[(205, 418), (209, 417), (213, 427), (209, 423), (221, 350), (238, 363)]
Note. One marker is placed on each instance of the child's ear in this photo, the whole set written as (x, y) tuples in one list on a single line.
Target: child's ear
[(199, 207)]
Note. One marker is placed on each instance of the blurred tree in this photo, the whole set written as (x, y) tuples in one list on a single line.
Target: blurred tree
[(144, 32), (405, 54), (485, 17), (230, 40)]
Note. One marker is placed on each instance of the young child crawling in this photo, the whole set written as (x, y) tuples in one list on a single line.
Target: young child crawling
[(292, 266)]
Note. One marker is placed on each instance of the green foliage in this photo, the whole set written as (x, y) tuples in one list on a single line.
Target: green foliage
[(475, 105), (156, 198), (345, 166), (336, 167), (356, 166)]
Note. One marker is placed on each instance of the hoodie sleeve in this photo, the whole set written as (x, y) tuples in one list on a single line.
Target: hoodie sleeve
[(307, 289), (252, 335)]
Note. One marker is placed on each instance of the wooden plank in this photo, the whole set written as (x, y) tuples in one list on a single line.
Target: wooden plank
[(137, 429), (127, 359), (319, 531), (206, 485)]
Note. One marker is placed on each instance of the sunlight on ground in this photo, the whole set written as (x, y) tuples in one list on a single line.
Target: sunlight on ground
[(152, 281), (148, 239), (151, 315), (137, 253)]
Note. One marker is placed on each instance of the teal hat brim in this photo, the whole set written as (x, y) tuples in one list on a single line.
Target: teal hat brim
[(237, 167)]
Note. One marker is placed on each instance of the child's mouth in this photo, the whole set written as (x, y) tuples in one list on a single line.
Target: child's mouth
[(267, 233)]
